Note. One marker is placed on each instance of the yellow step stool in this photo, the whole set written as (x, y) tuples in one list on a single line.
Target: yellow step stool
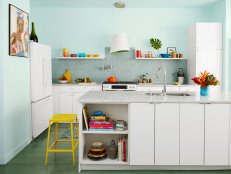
[(62, 118)]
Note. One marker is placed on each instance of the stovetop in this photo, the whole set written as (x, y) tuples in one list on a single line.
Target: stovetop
[(121, 82)]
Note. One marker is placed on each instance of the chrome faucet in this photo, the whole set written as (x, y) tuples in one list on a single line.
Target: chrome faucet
[(164, 80)]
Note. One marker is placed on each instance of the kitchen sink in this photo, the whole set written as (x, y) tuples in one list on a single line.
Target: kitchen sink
[(168, 94)]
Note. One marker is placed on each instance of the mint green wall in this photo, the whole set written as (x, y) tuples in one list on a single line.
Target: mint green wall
[(16, 90), (221, 12), (228, 45), (91, 30), (1, 88)]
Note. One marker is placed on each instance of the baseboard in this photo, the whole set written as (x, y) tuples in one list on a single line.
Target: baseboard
[(7, 157)]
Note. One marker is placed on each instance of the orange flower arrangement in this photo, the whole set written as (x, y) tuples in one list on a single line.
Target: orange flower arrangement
[(205, 79)]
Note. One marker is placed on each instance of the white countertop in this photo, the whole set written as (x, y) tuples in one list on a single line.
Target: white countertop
[(76, 84), (125, 97), (139, 85), (169, 85)]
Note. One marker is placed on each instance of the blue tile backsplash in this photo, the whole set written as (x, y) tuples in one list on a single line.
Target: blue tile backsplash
[(124, 66)]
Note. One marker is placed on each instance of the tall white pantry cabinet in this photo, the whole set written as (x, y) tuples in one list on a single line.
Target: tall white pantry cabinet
[(205, 51)]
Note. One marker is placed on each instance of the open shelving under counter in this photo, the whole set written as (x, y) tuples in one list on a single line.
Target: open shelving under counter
[(88, 134)]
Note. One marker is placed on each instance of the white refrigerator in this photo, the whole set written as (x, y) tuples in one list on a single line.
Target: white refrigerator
[(41, 87)]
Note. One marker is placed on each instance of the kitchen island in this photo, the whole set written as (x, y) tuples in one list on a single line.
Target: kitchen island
[(181, 131)]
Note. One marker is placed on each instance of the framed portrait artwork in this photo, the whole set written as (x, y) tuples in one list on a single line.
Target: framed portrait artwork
[(18, 32)]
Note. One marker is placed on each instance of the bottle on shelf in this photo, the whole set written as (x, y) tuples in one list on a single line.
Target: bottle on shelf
[(33, 36)]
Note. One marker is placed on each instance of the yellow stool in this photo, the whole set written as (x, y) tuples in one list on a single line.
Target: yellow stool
[(62, 118)]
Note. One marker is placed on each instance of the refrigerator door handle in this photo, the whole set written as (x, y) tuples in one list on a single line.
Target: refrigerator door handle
[(45, 73)]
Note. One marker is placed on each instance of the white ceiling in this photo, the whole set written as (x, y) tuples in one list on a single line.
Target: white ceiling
[(129, 3)]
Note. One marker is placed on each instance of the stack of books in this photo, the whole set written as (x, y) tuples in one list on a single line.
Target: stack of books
[(122, 149), (101, 123)]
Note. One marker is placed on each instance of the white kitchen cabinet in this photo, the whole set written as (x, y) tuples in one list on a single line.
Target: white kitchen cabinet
[(149, 88), (229, 135), (55, 99), (190, 88), (93, 88), (66, 106), (205, 50), (215, 67), (72, 88), (167, 134), (66, 97), (141, 133), (157, 88), (77, 107), (172, 89), (191, 134), (217, 134), (209, 35)]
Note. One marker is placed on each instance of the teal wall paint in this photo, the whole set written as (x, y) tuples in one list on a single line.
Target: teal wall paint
[(228, 45), (91, 30), (16, 90), (221, 12), (1, 89)]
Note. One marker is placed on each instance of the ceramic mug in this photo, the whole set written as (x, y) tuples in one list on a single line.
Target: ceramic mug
[(173, 55)]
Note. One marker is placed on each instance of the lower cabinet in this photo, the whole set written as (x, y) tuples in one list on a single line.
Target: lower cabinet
[(141, 133), (69, 103), (167, 134), (179, 134), (65, 103), (217, 134), (55, 96), (191, 134), (77, 107)]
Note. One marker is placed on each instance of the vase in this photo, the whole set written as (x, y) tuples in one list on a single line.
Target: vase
[(204, 91), (112, 150)]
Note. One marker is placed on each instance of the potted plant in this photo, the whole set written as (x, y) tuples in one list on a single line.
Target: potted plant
[(156, 44), (204, 80)]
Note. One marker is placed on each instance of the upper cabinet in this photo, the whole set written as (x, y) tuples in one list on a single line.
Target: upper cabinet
[(208, 35), (205, 51)]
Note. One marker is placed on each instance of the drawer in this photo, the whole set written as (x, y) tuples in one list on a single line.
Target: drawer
[(172, 89), (94, 88), (144, 89), (189, 89), (72, 89)]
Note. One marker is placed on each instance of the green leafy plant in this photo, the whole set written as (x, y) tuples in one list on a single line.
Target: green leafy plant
[(155, 43)]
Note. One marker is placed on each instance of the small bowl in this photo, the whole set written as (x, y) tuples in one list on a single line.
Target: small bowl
[(97, 145), (98, 113), (165, 55), (63, 81)]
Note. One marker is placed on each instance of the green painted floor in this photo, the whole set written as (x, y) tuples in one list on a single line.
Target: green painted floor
[(31, 161)]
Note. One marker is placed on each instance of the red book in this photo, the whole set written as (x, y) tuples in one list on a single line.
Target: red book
[(124, 150), (100, 122), (106, 125), (101, 127)]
